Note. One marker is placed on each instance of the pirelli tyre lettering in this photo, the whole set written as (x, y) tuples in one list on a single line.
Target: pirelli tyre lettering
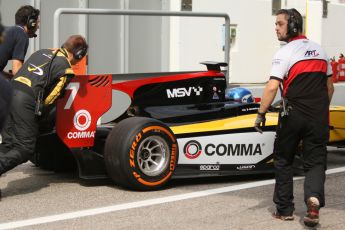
[(141, 153)]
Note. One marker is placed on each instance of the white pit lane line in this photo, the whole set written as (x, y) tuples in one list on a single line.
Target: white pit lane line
[(139, 204)]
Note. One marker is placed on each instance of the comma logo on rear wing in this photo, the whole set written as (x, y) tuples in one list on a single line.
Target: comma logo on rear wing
[(82, 118), (82, 121), (81, 107)]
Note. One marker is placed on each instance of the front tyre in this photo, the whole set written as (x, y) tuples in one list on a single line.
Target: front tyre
[(141, 153)]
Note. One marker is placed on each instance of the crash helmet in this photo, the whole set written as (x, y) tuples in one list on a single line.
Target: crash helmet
[(240, 94)]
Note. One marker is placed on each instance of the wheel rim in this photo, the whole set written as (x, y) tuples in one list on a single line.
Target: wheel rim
[(152, 156)]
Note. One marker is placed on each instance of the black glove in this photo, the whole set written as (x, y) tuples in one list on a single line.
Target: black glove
[(260, 122)]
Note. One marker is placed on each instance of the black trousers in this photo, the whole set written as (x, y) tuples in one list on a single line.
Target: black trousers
[(20, 131), (5, 99), (314, 136)]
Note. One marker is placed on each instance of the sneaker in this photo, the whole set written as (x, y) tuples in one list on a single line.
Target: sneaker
[(281, 217), (311, 219)]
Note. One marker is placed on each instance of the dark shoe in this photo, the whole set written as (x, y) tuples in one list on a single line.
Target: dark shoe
[(281, 217), (311, 219)]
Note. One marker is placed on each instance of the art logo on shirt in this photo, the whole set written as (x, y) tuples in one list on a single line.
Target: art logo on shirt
[(311, 53)]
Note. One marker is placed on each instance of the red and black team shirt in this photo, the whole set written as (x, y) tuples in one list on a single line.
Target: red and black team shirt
[(303, 68)]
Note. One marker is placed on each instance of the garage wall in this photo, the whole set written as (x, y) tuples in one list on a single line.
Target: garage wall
[(333, 32), (252, 48), (104, 37), (69, 23), (145, 38), (118, 44), (255, 42), (122, 44)]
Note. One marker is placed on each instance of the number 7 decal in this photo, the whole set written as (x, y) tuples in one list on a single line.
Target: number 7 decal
[(74, 86)]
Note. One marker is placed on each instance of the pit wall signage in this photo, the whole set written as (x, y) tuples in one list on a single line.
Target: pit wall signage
[(86, 99), (238, 148)]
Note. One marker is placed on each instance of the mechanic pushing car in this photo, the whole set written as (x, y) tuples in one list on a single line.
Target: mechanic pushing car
[(38, 83), (302, 67)]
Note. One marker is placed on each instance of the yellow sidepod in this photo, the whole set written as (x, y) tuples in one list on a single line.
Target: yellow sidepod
[(239, 122), (337, 123)]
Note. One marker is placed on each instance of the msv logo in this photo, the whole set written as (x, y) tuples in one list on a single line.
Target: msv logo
[(184, 92)]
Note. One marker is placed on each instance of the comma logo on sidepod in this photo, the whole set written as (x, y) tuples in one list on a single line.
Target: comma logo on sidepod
[(192, 149)]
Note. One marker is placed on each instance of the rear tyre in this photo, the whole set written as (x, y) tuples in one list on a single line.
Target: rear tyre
[(141, 153)]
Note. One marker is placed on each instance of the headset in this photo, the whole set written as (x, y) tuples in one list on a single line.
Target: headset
[(32, 20), (79, 49), (293, 24), (80, 53)]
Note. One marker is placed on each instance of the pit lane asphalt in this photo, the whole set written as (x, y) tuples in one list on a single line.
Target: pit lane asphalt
[(29, 193)]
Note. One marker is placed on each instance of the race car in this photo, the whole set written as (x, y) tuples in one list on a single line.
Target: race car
[(141, 133)]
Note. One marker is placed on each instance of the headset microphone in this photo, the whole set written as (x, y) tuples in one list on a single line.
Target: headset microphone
[(32, 35)]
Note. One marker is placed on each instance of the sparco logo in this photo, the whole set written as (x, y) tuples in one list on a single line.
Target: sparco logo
[(233, 149), (209, 167), (81, 121), (192, 149), (184, 92)]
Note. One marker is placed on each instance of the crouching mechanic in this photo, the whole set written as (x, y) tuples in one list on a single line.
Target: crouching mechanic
[(42, 77)]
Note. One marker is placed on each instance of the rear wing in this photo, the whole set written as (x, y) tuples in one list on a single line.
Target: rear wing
[(86, 99), (214, 66)]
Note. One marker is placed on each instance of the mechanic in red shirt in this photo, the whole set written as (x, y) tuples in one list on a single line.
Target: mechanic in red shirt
[(302, 68), (39, 82)]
